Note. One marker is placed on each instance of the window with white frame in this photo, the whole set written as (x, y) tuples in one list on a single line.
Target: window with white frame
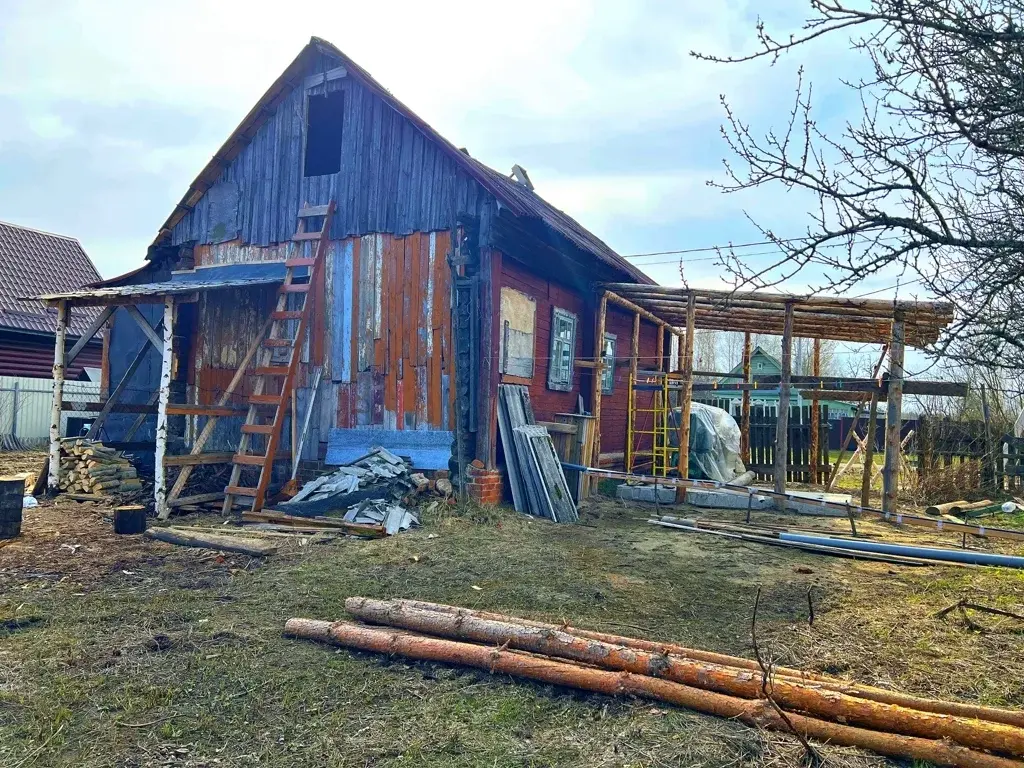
[(563, 349), (608, 358)]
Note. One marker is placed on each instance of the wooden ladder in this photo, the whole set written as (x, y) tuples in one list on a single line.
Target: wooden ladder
[(267, 410)]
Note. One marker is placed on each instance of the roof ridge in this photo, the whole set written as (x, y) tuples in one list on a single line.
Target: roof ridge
[(41, 231)]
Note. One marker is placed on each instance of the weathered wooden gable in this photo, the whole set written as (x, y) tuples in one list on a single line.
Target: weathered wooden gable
[(392, 179)]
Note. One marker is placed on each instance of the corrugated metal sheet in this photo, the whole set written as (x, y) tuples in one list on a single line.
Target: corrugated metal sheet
[(25, 406), (32, 356)]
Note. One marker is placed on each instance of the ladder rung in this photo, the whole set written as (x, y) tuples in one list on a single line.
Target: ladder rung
[(264, 399), (249, 459), (306, 236), (313, 210), (304, 261), (273, 370), (294, 288), (286, 314), (240, 490), (277, 342), (257, 429)]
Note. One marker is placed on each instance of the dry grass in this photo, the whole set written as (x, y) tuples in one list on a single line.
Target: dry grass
[(138, 653)]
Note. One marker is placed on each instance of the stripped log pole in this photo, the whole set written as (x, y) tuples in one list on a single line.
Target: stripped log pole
[(816, 417), (745, 407), (754, 712), (790, 695), (992, 714), (210, 541)]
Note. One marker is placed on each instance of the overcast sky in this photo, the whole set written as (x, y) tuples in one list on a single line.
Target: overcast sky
[(110, 108)]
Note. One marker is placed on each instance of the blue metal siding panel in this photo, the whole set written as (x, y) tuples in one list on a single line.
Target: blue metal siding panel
[(392, 178), (341, 311)]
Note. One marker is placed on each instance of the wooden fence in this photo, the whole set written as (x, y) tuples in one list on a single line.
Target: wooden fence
[(942, 444), (801, 463)]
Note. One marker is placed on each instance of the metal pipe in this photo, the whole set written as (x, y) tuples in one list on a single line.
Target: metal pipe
[(929, 553)]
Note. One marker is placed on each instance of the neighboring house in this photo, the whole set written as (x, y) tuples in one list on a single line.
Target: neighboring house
[(765, 366), (33, 262), (412, 211)]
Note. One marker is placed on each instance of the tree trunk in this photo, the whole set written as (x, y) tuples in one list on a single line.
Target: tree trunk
[(754, 712), (993, 714), (727, 680), (211, 541)]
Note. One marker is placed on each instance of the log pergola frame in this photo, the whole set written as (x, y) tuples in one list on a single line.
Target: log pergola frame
[(681, 311)]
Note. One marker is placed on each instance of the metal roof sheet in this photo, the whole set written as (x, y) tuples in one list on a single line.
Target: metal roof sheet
[(35, 262), (204, 279)]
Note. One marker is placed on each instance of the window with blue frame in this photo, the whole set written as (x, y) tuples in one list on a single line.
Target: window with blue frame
[(608, 358), (563, 349)]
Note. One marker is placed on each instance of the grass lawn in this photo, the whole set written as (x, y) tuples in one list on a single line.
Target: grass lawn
[(120, 651)]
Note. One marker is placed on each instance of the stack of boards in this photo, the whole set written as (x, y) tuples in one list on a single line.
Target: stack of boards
[(534, 469), (89, 467)]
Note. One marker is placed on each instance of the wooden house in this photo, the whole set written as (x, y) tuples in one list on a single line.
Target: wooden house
[(435, 279), (765, 369)]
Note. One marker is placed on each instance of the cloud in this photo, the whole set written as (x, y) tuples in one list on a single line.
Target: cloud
[(111, 109)]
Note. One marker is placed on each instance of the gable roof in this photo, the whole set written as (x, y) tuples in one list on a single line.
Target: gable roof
[(520, 200), (34, 262), (758, 350)]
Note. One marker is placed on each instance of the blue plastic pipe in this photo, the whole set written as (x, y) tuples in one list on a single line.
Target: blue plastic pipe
[(971, 557)]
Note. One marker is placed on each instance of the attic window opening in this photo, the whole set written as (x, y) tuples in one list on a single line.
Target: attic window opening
[(324, 116)]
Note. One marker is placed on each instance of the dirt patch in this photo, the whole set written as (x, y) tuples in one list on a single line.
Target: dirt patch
[(150, 654)]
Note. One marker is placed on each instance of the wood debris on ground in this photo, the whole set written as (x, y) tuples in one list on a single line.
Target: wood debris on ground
[(89, 467), (825, 709)]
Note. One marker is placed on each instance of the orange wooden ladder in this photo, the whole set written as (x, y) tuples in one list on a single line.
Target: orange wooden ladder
[(267, 411)]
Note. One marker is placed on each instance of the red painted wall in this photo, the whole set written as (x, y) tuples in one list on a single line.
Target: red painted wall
[(32, 356), (547, 402)]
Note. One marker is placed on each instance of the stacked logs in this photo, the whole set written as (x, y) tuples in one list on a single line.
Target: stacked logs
[(820, 708), (88, 466)]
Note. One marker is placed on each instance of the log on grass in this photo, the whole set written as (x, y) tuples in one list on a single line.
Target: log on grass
[(752, 711), (211, 541), (790, 695), (871, 693)]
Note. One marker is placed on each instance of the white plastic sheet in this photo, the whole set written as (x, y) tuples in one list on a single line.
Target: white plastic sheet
[(714, 444)]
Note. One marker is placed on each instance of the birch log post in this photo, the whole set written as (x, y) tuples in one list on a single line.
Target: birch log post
[(166, 368), (53, 476)]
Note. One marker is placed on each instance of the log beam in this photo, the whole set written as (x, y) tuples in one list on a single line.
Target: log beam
[(816, 416), (687, 391), (782, 422), (893, 418)]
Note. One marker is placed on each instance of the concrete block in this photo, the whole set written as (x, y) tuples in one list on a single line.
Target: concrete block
[(646, 493), (813, 504), (719, 499)]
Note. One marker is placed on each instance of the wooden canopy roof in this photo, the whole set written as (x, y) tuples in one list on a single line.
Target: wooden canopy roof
[(821, 317)]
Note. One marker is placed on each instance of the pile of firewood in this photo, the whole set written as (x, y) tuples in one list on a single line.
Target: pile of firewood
[(88, 466)]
